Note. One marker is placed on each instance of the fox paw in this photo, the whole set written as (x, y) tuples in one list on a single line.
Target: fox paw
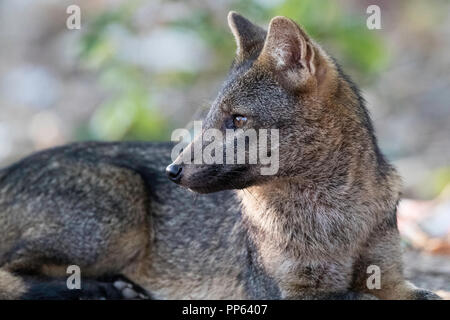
[(96, 290), (119, 289), (105, 288), (57, 290), (129, 290), (421, 294)]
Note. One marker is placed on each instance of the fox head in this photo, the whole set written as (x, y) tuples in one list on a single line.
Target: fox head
[(284, 89)]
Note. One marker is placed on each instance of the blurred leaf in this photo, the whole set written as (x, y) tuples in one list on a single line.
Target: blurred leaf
[(441, 179), (129, 112)]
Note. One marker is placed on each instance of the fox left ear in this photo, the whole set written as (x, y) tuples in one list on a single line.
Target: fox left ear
[(249, 37), (290, 53)]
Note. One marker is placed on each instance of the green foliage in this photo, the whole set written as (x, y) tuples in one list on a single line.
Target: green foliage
[(215, 35), (358, 47), (344, 33), (130, 112), (440, 179)]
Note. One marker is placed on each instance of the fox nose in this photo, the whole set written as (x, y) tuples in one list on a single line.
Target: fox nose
[(173, 172)]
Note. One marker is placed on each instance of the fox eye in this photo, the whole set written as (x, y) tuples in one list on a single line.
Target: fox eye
[(239, 121)]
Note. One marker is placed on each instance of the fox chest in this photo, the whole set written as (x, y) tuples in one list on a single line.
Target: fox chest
[(300, 275)]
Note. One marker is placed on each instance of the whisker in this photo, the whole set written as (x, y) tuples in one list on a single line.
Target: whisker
[(195, 198)]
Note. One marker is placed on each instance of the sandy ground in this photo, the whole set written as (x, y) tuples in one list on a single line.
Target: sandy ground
[(428, 271)]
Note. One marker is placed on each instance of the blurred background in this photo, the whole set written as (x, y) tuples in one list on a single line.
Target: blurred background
[(136, 70)]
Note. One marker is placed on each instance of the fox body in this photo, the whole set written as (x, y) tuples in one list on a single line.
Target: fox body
[(309, 231)]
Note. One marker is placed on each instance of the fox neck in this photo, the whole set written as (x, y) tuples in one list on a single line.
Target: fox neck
[(292, 218), (291, 212)]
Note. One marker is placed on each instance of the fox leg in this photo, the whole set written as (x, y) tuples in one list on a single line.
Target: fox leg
[(92, 220), (32, 272), (344, 295), (14, 286), (383, 251)]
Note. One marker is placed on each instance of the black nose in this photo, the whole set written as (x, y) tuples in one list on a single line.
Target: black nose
[(173, 171)]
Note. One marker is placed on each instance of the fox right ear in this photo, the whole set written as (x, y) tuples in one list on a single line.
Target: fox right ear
[(249, 37), (291, 54)]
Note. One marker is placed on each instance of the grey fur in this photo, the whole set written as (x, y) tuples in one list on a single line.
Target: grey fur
[(309, 232)]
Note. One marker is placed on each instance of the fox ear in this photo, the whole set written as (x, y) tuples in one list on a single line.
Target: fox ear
[(249, 37), (290, 53)]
